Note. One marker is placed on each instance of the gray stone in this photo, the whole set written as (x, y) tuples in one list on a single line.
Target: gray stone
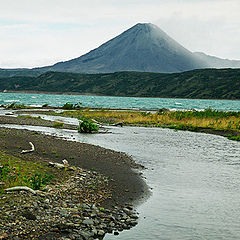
[(29, 215), (88, 222), (86, 234), (64, 213), (101, 233)]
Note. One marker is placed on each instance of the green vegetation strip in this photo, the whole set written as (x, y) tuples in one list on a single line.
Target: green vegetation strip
[(209, 119), (19, 172), (201, 84)]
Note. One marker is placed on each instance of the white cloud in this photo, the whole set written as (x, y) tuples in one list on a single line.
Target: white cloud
[(37, 33)]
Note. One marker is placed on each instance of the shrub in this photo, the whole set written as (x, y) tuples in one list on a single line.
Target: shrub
[(14, 106), (87, 126), (71, 106), (162, 111)]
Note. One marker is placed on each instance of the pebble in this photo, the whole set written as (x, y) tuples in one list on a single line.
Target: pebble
[(60, 213)]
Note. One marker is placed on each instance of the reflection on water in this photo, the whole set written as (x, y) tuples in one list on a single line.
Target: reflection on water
[(195, 179)]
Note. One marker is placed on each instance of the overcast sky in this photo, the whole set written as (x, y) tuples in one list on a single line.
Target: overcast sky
[(43, 32)]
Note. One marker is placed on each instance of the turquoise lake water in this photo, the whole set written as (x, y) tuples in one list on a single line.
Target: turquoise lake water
[(118, 102)]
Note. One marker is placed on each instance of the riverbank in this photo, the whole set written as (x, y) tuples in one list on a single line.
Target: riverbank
[(210, 121), (90, 209), (35, 121), (223, 123), (78, 200)]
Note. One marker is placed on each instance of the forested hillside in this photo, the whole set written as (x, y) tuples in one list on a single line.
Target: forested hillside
[(204, 83)]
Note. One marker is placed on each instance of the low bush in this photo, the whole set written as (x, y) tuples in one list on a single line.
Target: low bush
[(38, 181), (87, 126), (12, 176), (14, 106), (71, 106)]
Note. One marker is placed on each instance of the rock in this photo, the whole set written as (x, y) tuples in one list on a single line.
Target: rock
[(111, 224), (3, 237), (29, 215), (88, 222), (94, 231), (78, 238), (93, 215), (64, 228), (86, 235), (48, 236), (59, 214), (101, 233), (63, 213), (130, 207)]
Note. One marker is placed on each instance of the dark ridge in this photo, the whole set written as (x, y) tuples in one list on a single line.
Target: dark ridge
[(202, 84)]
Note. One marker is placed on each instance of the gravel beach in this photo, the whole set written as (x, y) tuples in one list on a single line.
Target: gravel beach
[(110, 208)]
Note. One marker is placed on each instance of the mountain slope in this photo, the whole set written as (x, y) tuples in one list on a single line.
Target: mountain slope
[(215, 62), (204, 84), (144, 47)]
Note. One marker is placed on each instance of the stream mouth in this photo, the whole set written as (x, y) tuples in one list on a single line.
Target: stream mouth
[(195, 179)]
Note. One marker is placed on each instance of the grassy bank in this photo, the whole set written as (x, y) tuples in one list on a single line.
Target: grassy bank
[(100, 185), (66, 200), (228, 123), (15, 171)]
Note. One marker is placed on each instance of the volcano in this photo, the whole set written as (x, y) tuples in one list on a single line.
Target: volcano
[(143, 48)]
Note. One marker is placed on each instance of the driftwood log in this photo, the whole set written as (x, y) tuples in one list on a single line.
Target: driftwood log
[(65, 164), (21, 188), (96, 122), (28, 151), (119, 124)]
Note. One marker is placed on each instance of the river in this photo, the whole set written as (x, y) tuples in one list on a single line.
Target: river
[(194, 177)]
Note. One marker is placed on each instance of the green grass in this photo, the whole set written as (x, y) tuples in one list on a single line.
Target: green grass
[(207, 113), (179, 120), (234, 138), (29, 117), (58, 124), (19, 172)]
